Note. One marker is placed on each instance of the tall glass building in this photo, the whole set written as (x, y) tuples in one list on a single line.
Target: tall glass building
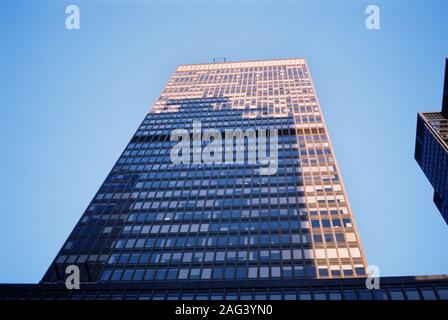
[(431, 149), (160, 229), (153, 220)]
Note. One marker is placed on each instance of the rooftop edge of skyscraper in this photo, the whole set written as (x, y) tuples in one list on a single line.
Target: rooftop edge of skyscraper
[(241, 63)]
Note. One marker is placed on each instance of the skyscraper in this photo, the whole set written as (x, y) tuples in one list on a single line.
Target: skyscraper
[(153, 220), (431, 149), (174, 220)]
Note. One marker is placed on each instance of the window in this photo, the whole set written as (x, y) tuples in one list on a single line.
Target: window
[(428, 294), (335, 295), (323, 272), (365, 294), (275, 295), (350, 294), (134, 258), (202, 296), (241, 273), (229, 273), (275, 271), (105, 275), (396, 294), (218, 273), (194, 273), (149, 275), (310, 272), (260, 295), (138, 275), (304, 295), (172, 274), (232, 295), (253, 272), (264, 272), (246, 295), (117, 275), (380, 294), (127, 275), (326, 223), (412, 294), (183, 274), (161, 273), (206, 273), (443, 293), (320, 295), (216, 296)]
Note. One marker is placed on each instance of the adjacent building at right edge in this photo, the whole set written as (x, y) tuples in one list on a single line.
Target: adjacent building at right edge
[(431, 149)]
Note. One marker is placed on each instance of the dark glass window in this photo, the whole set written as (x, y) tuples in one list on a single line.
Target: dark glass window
[(380, 294), (350, 294), (396, 294), (275, 295), (320, 295), (428, 293), (335, 295), (443, 293), (305, 295), (412, 294)]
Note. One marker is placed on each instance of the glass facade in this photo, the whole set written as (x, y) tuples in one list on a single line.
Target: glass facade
[(155, 221)]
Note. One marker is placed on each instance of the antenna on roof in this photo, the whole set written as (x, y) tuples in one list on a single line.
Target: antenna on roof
[(219, 59)]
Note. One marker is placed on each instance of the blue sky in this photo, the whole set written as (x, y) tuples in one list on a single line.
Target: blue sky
[(71, 100)]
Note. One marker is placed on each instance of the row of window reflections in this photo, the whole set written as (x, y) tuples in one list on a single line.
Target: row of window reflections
[(253, 179), (279, 225), (223, 241), (226, 124), (225, 273), (275, 181), (390, 293), (221, 215), (209, 257)]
